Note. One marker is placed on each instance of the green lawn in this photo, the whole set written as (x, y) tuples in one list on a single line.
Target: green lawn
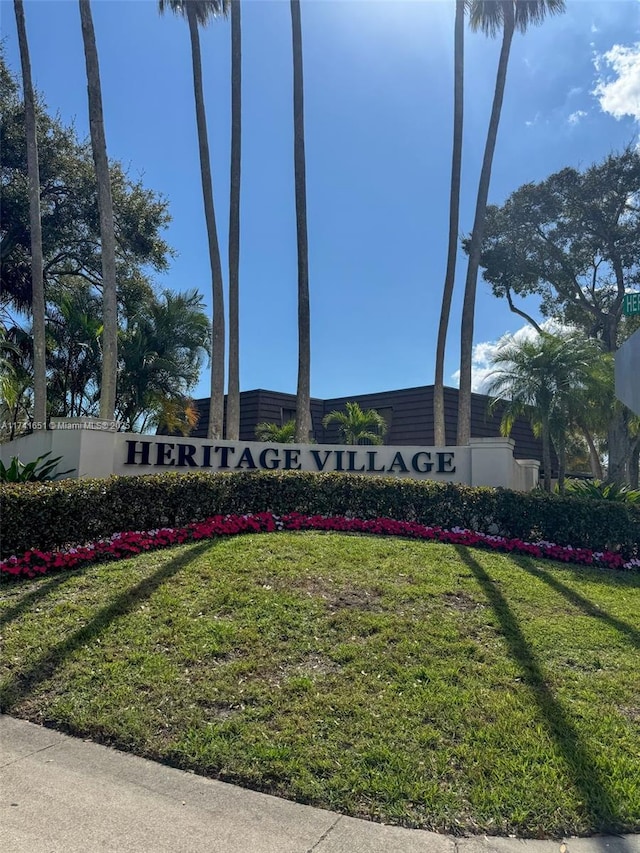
[(414, 683)]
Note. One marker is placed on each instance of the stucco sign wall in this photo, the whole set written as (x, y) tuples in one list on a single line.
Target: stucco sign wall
[(93, 452)]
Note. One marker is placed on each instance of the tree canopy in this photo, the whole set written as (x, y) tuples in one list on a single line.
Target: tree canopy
[(573, 240), (70, 222), (163, 337)]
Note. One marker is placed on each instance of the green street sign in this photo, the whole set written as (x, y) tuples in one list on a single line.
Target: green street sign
[(631, 303)]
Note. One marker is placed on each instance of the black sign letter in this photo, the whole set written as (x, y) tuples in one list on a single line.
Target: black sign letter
[(445, 463), (426, 466), (132, 452), (165, 449)]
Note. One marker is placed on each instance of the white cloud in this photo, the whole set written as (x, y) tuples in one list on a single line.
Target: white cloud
[(619, 95), (483, 354), (574, 118)]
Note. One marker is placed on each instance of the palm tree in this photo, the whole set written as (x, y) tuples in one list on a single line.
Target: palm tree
[(162, 352), (105, 209), (233, 390), (541, 378), (8, 350), (592, 406), (357, 426), (276, 434), (37, 299), (198, 13), (16, 351), (490, 16), (175, 415), (439, 432), (303, 392), (74, 329)]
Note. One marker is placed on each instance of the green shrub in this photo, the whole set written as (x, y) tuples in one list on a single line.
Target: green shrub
[(49, 515), (39, 470), (599, 490)]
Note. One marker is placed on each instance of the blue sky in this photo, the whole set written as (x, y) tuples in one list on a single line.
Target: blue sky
[(378, 104)]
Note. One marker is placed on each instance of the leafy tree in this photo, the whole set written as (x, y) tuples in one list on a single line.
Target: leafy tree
[(439, 432), (233, 389), (198, 13), (303, 392), (16, 359), (162, 344), (540, 378), (178, 414), (7, 370), (105, 209), (591, 408), (357, 426), (68, 204), (285, 434), (490, 17), (173, 327), (573, 241), (33, 171)]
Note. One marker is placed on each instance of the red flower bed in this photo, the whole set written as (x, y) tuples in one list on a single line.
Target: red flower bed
[(128, 544)]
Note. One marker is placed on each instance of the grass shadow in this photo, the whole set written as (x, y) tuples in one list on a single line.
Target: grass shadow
[(579, 601), (19, 685), (42, 590), (598, 575), (585, 774)]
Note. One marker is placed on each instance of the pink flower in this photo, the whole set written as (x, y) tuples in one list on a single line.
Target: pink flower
[(124, 544)]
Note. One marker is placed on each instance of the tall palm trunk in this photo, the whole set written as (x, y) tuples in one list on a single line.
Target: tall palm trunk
[(468, 308), (233, 392), (216, 407), (439, 432), (37, 281), (303, 392), (105, 209), (546, 454), (562, 462), (594, 458)]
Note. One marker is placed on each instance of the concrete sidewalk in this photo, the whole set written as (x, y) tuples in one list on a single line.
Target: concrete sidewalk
[(63, 795)]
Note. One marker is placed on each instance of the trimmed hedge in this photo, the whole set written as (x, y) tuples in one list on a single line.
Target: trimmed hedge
[(68, 512)]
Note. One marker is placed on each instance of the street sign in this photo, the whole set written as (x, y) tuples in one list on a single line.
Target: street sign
[(628, 372), (631, 303)]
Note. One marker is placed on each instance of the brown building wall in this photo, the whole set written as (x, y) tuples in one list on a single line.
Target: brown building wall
[(408, 411)]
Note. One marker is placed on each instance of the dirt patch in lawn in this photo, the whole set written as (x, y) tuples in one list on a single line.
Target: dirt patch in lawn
[(460, 601), (335, 598)]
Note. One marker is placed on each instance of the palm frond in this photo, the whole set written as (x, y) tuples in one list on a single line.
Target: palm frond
[(488, 16), (204, 10), (357, 426), (275, 433)]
